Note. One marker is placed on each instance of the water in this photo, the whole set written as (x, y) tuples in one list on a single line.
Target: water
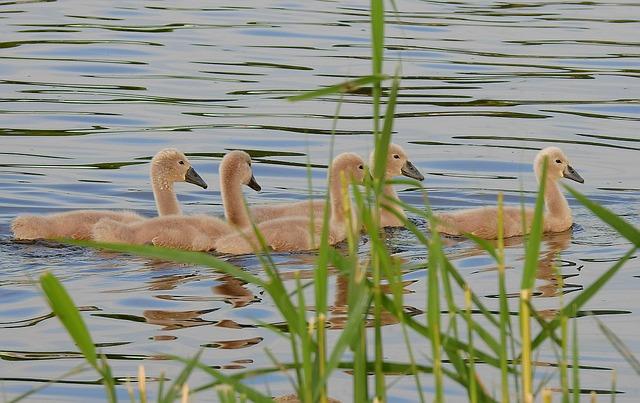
[(91, 90)]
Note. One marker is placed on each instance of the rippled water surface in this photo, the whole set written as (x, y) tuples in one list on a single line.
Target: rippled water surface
[(89, 91)]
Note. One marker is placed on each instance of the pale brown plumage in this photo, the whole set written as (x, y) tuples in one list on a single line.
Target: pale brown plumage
[(167, 167), (196, 232), (303, 233), (483, 222), (397, 164)]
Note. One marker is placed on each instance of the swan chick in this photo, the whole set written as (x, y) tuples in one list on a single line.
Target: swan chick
[(483, 222), (167, 167), (196, 232), (398, 163), (302, 233)]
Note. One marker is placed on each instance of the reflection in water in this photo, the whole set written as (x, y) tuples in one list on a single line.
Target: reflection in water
[(234, 291), (340, 310), (172, 320), (34, 321), (58, 355), (550, 267), (234, 344)]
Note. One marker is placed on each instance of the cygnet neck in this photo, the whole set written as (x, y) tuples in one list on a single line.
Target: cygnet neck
[(338, 214), (163, 193), (391, 194), (554, 200), (235, 210), (557, 207)]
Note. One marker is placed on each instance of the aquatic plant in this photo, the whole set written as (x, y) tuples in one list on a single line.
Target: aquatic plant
[(461, 338)]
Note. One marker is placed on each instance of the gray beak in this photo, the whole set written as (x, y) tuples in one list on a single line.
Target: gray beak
[(253, 184), (571, 173), (192, 177), (408, 169)]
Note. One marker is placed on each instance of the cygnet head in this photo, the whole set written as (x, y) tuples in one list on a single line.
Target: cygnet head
[(557, 165), (236, 166), (397, 164), (170, 165), (349, 164)]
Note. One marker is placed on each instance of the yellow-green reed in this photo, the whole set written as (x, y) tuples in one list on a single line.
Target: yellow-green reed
[(473, 384), (564, 352), (525, 357), (505, 318)]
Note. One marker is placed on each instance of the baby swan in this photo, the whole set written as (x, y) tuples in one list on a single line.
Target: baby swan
[(196, 232), (302, 233), (397, 164), (483, 222), (167, 166)]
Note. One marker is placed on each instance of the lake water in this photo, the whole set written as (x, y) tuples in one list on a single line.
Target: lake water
[(89, 91)]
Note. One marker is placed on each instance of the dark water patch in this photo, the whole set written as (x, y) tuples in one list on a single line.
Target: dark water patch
[(36, 320), (60, 355), (545, 140), (593, 115), (258, 64), (233, 344), (5, 45)]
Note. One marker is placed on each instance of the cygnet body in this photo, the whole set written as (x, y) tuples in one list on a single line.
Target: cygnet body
[(196, 232), (483, 222), (397, 164), (391, 213), (167, 167), (303, 233)]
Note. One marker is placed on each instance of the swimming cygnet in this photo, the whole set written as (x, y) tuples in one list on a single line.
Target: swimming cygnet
[(397, 164), (303, 233), (167, 167), (196, 232), (483, 222)]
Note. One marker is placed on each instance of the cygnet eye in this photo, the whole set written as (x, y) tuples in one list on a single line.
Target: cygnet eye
[(396, 156), (558, 161), (181, 162), (360, 167)]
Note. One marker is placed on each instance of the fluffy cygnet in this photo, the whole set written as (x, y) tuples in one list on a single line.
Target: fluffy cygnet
[(303, 233), (167, 167), (197, 232), (397, 164), (483, 222)]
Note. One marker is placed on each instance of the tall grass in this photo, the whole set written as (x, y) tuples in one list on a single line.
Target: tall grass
[(471, 337)]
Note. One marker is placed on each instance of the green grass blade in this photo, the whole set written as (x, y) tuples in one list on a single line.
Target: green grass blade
[(383, 140), (620, 225), (73, 371), (572, 307), (221, 378), (619, 345), (174, 390), (195, 258), (535, 236), (575, 370), (341, 88), (64, 308)]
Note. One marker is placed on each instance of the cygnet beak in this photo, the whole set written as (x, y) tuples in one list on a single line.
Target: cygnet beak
[(192, 177), (408, 169), (571, 173), (253, 184)]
